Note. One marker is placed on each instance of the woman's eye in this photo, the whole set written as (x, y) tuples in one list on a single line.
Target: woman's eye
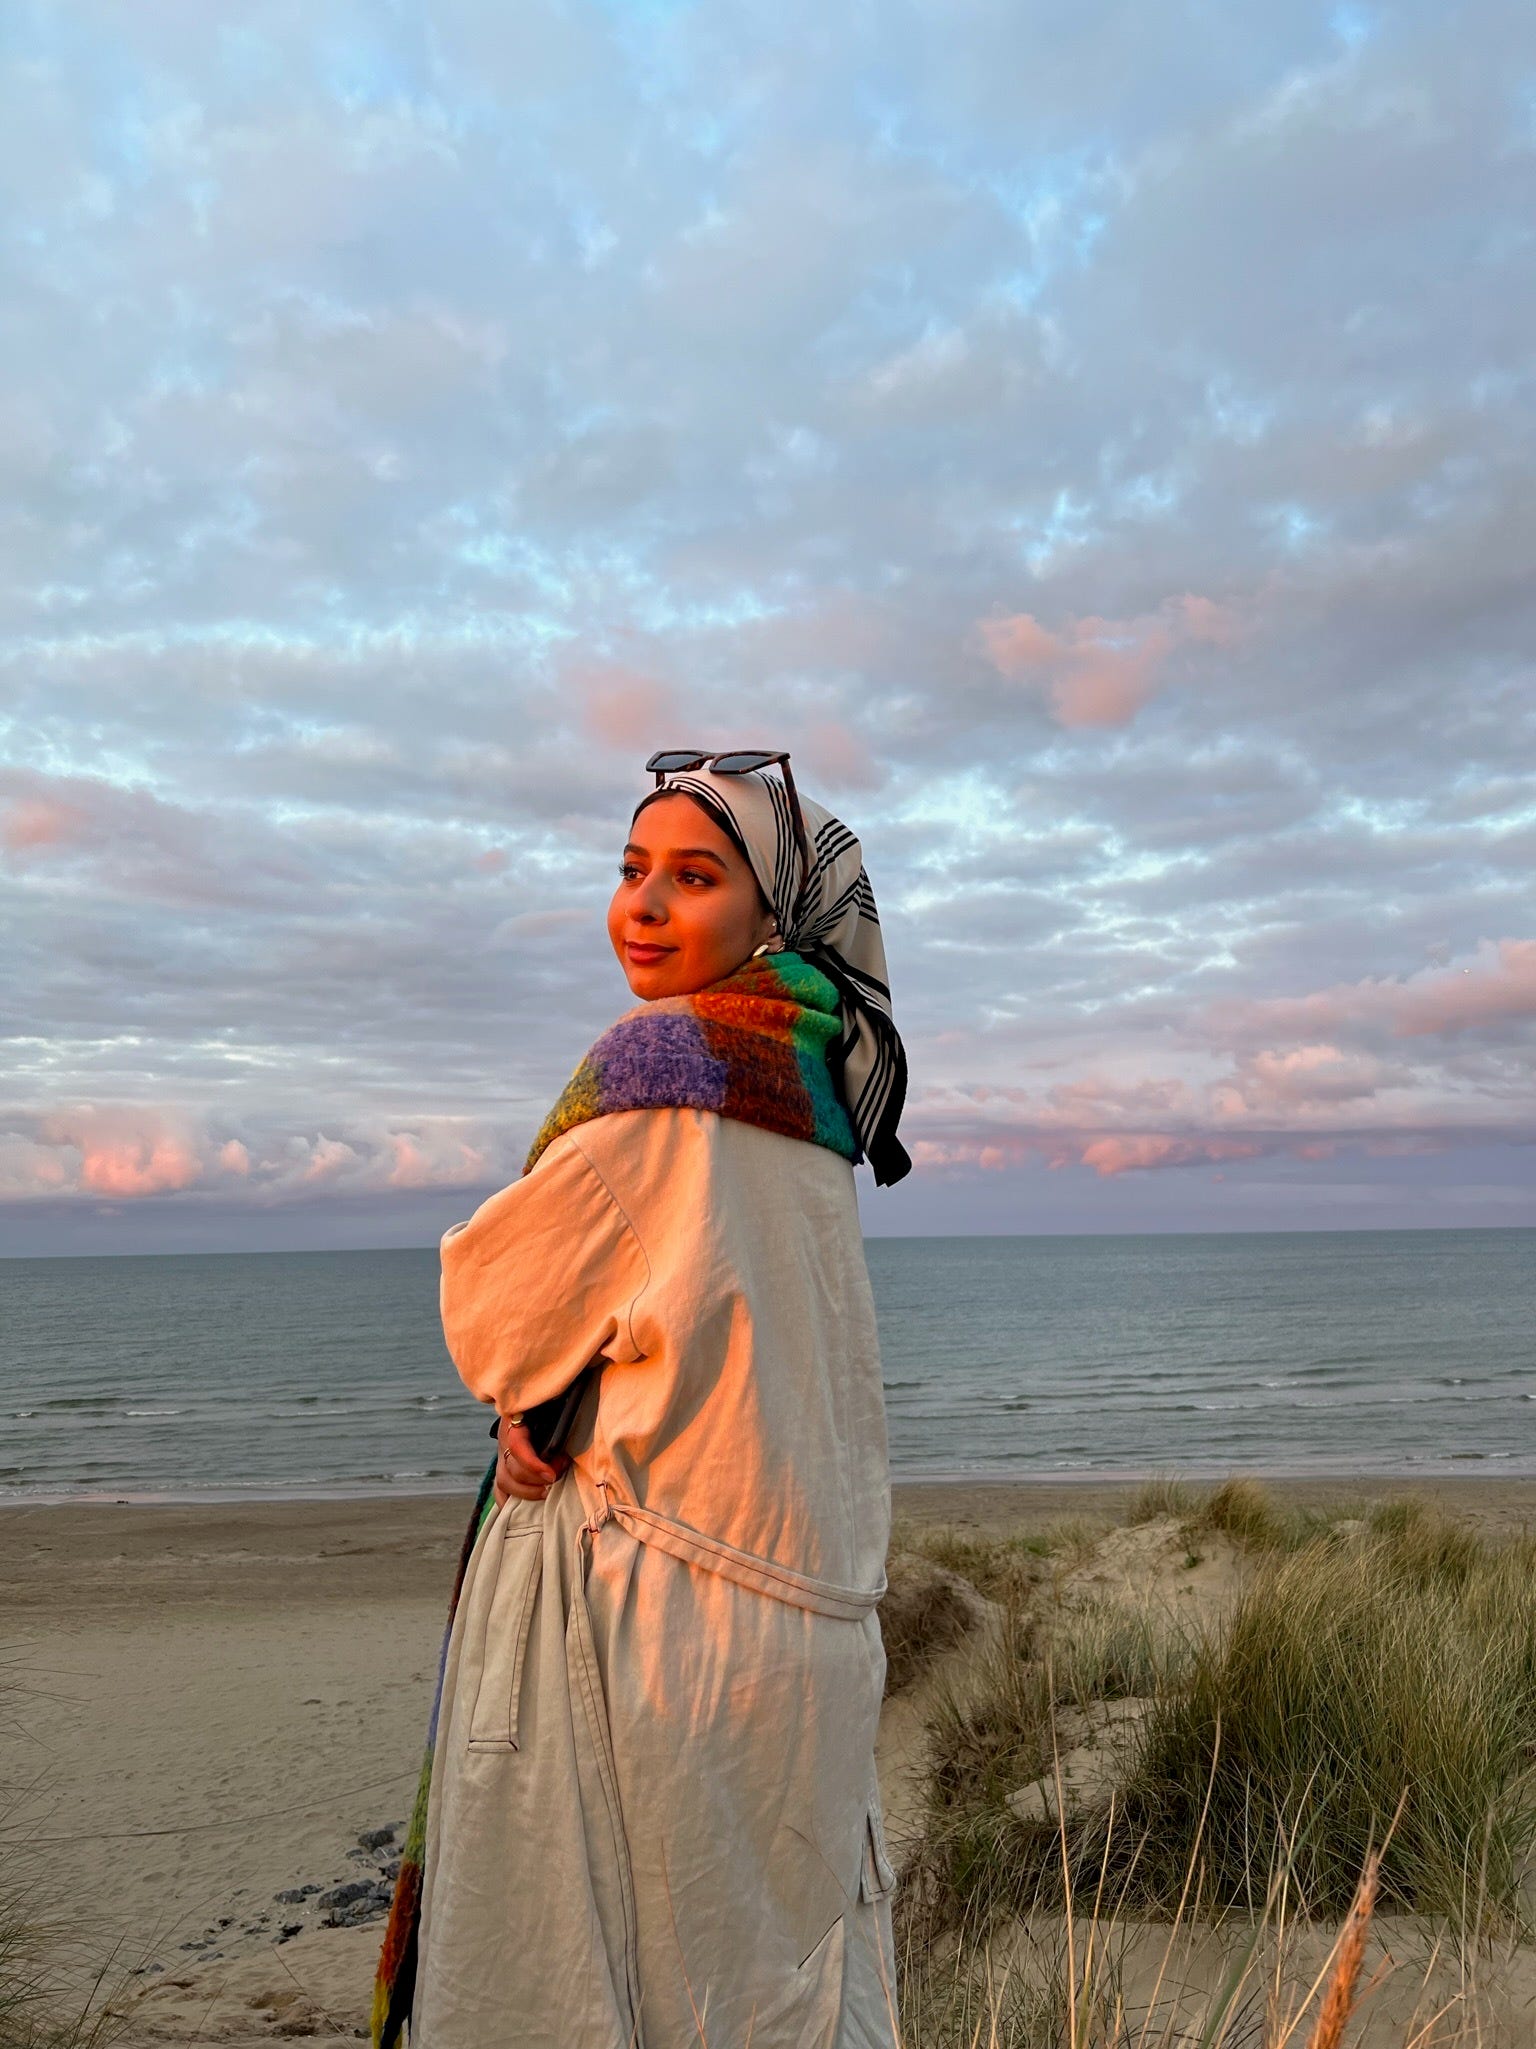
[(629, 869)]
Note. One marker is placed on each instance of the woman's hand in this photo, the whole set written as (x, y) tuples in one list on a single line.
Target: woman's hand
[(519, 1469)]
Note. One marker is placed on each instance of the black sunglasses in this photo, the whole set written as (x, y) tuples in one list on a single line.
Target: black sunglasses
[(737, 761)]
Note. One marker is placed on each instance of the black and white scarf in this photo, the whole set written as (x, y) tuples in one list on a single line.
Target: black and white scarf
[(828, 917)]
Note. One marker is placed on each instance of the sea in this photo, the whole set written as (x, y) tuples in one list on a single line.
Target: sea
[(281, 1374)]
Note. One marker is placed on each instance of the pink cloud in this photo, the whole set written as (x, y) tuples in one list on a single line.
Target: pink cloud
[(443, 1163), (140, 1167), (136, 842), (1126, 1150), (1101, 1099), (1274, 1082), (410, 1169), (1099, 672), (1500, 982), (1304, 1102), (1107, 1152), (328, 1157), (125, 1152), (834, 754), (40, 822), (625, 709), (131, 1151)]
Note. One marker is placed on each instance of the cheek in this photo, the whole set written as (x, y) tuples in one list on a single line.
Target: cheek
[(732, 916)]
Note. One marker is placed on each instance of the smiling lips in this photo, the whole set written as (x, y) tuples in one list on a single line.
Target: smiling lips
[(644, 954)]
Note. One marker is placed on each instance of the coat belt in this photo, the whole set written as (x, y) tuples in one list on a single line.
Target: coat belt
[(762, 1575)]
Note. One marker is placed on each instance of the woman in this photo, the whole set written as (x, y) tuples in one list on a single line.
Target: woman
[(653, 1816)]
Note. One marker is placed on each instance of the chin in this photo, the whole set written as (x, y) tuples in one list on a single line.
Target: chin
[(664, 978)]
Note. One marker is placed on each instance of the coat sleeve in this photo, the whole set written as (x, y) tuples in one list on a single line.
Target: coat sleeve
[(543, 1277)]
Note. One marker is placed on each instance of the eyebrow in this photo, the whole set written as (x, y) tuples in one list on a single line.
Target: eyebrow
[(680, 853)]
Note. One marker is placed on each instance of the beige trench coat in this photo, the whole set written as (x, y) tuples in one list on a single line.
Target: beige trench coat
[(654, 1818)]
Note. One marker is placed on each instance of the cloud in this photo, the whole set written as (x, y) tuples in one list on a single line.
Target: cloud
[(327, 1159), (839, 758), (1100, 672), (436, 1160), (39, 822), (1240, 1081), (403, 438), (1107, 1154), (525, 925), (133, 1152), (1300, 1077), (1497, 986), (117, 1152), (1118, 1155), (130, 841), (622, 709)]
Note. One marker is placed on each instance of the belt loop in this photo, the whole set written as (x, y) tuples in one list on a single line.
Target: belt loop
[(594, 1523)]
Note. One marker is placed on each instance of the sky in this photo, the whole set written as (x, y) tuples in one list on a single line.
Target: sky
[(1097, 440)]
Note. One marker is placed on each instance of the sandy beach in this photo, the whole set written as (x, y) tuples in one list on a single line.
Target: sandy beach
[(210, 1705)]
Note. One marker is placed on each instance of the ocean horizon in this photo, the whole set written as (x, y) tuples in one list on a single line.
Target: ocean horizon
[(232, 1376)]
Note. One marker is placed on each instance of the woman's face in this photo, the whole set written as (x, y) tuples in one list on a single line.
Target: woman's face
[(687, 909)]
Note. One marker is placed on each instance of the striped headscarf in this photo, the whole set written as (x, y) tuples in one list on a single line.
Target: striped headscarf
[(829, 918)]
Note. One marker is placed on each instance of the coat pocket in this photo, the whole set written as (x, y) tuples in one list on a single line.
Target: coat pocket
[(877, 1876), (504, 1647)]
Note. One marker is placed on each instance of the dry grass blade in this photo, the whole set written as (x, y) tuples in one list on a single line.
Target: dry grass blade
[(1339, 1999)]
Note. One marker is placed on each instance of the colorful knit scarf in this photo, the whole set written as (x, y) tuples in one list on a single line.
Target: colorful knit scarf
[(758, 1045)]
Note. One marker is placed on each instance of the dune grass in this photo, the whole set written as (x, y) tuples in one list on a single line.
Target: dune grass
[(1003, 1566), (1240, 1509), (1161, 1495), (1106, 1650), (1064, 1983), (1372, 1687), (1346, 1677), (1093, 1976), (926, 1610), (34, 2013)]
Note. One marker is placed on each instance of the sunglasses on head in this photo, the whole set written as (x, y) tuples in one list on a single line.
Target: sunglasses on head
[(736, 761)]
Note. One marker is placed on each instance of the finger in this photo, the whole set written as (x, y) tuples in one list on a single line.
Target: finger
[(518, 1444), (525, 1475), (531, 1481), (513, 1475)]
